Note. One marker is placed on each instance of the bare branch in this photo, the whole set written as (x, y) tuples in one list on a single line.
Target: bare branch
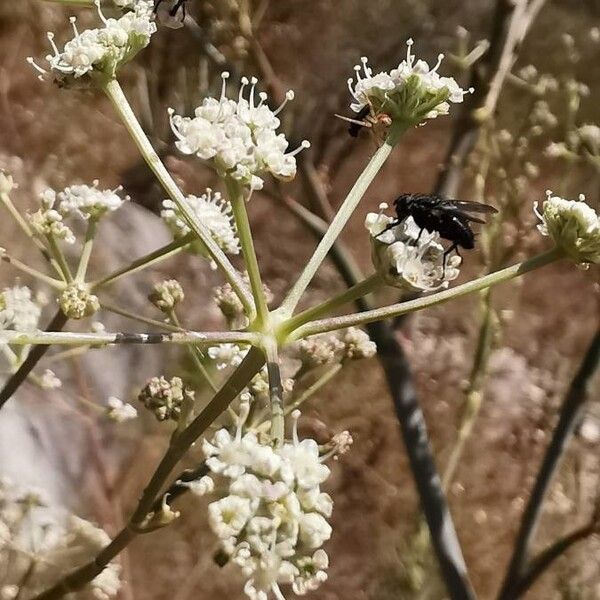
[(569, 416)]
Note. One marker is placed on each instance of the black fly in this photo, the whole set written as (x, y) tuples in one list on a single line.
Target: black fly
[(450, 218)]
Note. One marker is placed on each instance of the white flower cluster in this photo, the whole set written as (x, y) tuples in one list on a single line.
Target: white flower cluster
[(573, 225), (227, 355), (28, 536), (18, 311), (239, 136), (88, 201), (84, 201), (273, 521), (214, 212), (408, 258), (410, 93), (103, 50)]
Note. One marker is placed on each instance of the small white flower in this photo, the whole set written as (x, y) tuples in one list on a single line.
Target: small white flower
[(88, 201), (18, 311), (120, 411), (228, 516), (213, 211), (358, 344), (240, 137), (314, 530), (227, 355), (411, 93), (312, 573), (200, 487), (573, 225), (48, 221), (49, 380)]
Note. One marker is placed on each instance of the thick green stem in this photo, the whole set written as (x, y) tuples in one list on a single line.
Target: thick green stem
[(341, 218), (395, 310), (87, 250), (117, 97), (238, 204), (361, 289), (144, 262)]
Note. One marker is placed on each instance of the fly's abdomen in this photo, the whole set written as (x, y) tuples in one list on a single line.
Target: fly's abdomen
[(458, 232)]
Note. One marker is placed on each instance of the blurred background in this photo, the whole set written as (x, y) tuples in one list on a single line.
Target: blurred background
[(535, 331)]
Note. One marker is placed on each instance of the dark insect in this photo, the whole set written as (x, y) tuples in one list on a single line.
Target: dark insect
[(178, 4), (450, 218)]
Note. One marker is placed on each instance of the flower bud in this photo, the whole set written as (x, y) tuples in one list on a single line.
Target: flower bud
[(167, 295), (165, 398), (77, 302), (573, 225)]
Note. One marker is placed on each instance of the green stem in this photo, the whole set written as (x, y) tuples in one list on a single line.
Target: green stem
[(60, 259), (121, 105), (144, 262), (195, 355), (395, 310), (15, 262), (339, 221), (238, 205), (46, 338), (362, 288), (139, 318), (87, 250)]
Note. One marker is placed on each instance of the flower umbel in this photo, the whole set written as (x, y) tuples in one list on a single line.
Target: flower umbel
[(411, 93), (573, 225), (100, 52), (273, 520), (407, 258), (239, 136), (17, 310)]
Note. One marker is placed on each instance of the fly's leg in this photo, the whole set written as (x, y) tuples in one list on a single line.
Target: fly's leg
[(446, 254), (390, 226)]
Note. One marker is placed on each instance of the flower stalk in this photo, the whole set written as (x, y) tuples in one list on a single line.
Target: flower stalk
[(119, 101), (402, 308), (341, 218), (238, 205)]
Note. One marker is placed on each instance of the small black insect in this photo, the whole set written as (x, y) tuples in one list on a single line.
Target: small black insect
[(450, 218), (178, 4)]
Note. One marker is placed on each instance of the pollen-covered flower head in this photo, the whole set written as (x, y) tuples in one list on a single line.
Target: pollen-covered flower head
[(99, 52), (410, 93), (214, 212), (238, 136), (573, 225), (408, 258)]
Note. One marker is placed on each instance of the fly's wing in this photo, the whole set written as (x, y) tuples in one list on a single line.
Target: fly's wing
[(462, 208)]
